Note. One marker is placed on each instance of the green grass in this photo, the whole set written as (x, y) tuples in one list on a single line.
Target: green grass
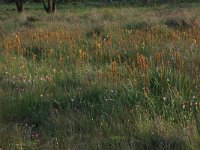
[(93, 77)]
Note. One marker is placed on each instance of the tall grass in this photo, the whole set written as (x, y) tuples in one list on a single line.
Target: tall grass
[(100, 79)]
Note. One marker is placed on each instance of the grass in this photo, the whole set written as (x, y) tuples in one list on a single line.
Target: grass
[(100, 77)]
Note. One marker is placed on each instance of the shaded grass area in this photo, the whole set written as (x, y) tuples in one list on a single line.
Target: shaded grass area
[(100, 78)]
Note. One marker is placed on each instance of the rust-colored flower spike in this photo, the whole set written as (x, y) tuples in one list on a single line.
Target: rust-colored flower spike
[(108, 74), (100, 74), (158, 56), (114, 69), (163, 59), (142, 62)]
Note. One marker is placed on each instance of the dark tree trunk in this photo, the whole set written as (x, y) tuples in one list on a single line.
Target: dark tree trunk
[(54, 6), (45, 6), (146, 2), (50, 7), (19, 4)]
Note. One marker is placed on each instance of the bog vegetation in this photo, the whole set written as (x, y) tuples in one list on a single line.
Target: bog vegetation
[(100, 78)]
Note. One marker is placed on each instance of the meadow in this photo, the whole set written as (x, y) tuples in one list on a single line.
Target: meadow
[(88, 77)]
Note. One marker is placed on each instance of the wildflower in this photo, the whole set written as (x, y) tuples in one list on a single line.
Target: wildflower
[(99, 45)]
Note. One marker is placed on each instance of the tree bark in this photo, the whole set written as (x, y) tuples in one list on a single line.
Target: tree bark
[(50, 7), (146, 2), (19, 4), (54, 6), (45, 6)]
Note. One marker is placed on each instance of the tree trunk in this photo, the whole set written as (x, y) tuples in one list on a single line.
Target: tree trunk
[(45, 6), (50, 7), (146, 2), (19, 4), (54, 6)]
